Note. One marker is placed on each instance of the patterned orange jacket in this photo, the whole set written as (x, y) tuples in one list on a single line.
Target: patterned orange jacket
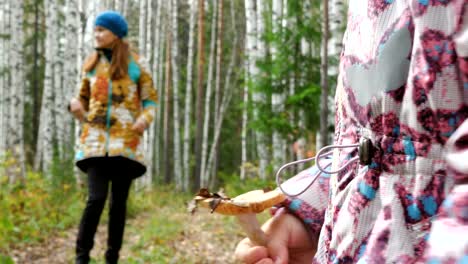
[(112, 107)]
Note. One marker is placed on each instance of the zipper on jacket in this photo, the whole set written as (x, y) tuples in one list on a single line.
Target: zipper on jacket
[(108, 115)]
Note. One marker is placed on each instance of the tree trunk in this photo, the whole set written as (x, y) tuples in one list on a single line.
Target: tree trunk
[(245, 101), (3, 77), (277, 98), (44, 151), (148, 137), (166, 137), (157, 54), (258, 97), (324, 79), (59, 97), (175, 85), (188, 95), (35, 80), (142, 28), (199, 103), (8, 73), (219, 54), (15, 133), (209, 81)]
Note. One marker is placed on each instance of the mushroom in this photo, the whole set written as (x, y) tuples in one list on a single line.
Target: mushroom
[(244, 207)]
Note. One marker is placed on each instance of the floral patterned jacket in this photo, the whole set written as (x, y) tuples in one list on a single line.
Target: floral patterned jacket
[(403, 84), (112, 107)]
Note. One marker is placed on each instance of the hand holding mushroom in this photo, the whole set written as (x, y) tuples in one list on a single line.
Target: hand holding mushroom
[(244, 207)]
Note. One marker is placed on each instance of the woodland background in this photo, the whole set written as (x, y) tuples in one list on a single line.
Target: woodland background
[(244, 87)]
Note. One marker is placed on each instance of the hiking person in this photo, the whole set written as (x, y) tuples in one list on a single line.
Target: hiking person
[(115, 104)]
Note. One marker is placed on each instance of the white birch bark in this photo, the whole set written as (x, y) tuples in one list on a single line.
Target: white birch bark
[(188, 94), (44, 150), (259, 98), (59, 97), (292, 22), (338, 17), (323, 135), (146, 180), (149, 29), (72, 24), (209, 81), (175, 93), (142, 28), (80, 49), (15, 133), (301, 142), (124, 7), (157, 51), (7, 101), (3, 78), (160, 83), (249, 71), (277, 99), (219, 53)]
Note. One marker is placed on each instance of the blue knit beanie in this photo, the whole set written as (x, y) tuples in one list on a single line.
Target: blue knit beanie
[(114, 22)]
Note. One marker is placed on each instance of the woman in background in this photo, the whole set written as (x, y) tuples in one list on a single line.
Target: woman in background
[(116, 103)]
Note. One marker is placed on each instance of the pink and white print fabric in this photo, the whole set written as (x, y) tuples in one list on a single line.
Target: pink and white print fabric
[(403, 83)]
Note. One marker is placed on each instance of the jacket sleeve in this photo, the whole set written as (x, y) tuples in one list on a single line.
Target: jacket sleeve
[(83, 92), (148, 95), (448, 240), (309, 206)]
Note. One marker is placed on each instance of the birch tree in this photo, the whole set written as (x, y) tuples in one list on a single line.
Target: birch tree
[(245, 100), (58, 89), (157, 76), (15, 130), (167, 90), (219, 55), (209, 81), (277, 98), (72, 25), (175, 92), (148, 136), (188, 92), (304, 49), (3, 75), (259, 97), (324, 78), (44, 151), (142, 28)]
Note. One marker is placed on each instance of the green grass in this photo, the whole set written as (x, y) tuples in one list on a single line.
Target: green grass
[(34, 210), (39, 209)]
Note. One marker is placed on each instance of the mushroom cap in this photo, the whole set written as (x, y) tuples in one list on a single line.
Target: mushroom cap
[(251, 202)]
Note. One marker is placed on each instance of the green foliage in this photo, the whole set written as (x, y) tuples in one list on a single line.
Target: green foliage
[(289, 66), (35, 209), (233, 186), (165, 219), (6, 260)]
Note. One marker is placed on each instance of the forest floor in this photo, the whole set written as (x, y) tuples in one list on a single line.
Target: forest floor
[(198, 238)]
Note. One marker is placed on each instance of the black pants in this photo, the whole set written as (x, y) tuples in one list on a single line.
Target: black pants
[(100, 174)]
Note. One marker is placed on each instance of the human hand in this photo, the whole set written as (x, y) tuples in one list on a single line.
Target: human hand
[(289, 242), (139, 126), (76, 108)]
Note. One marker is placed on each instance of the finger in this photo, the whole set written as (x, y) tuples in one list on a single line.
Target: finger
[(278, 242), (248, 253), (265, 261), (279, 252)]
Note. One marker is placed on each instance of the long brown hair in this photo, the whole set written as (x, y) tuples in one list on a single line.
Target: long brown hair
[(119, 63)]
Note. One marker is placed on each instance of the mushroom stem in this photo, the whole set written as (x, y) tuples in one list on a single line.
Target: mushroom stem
[(251, 226)]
